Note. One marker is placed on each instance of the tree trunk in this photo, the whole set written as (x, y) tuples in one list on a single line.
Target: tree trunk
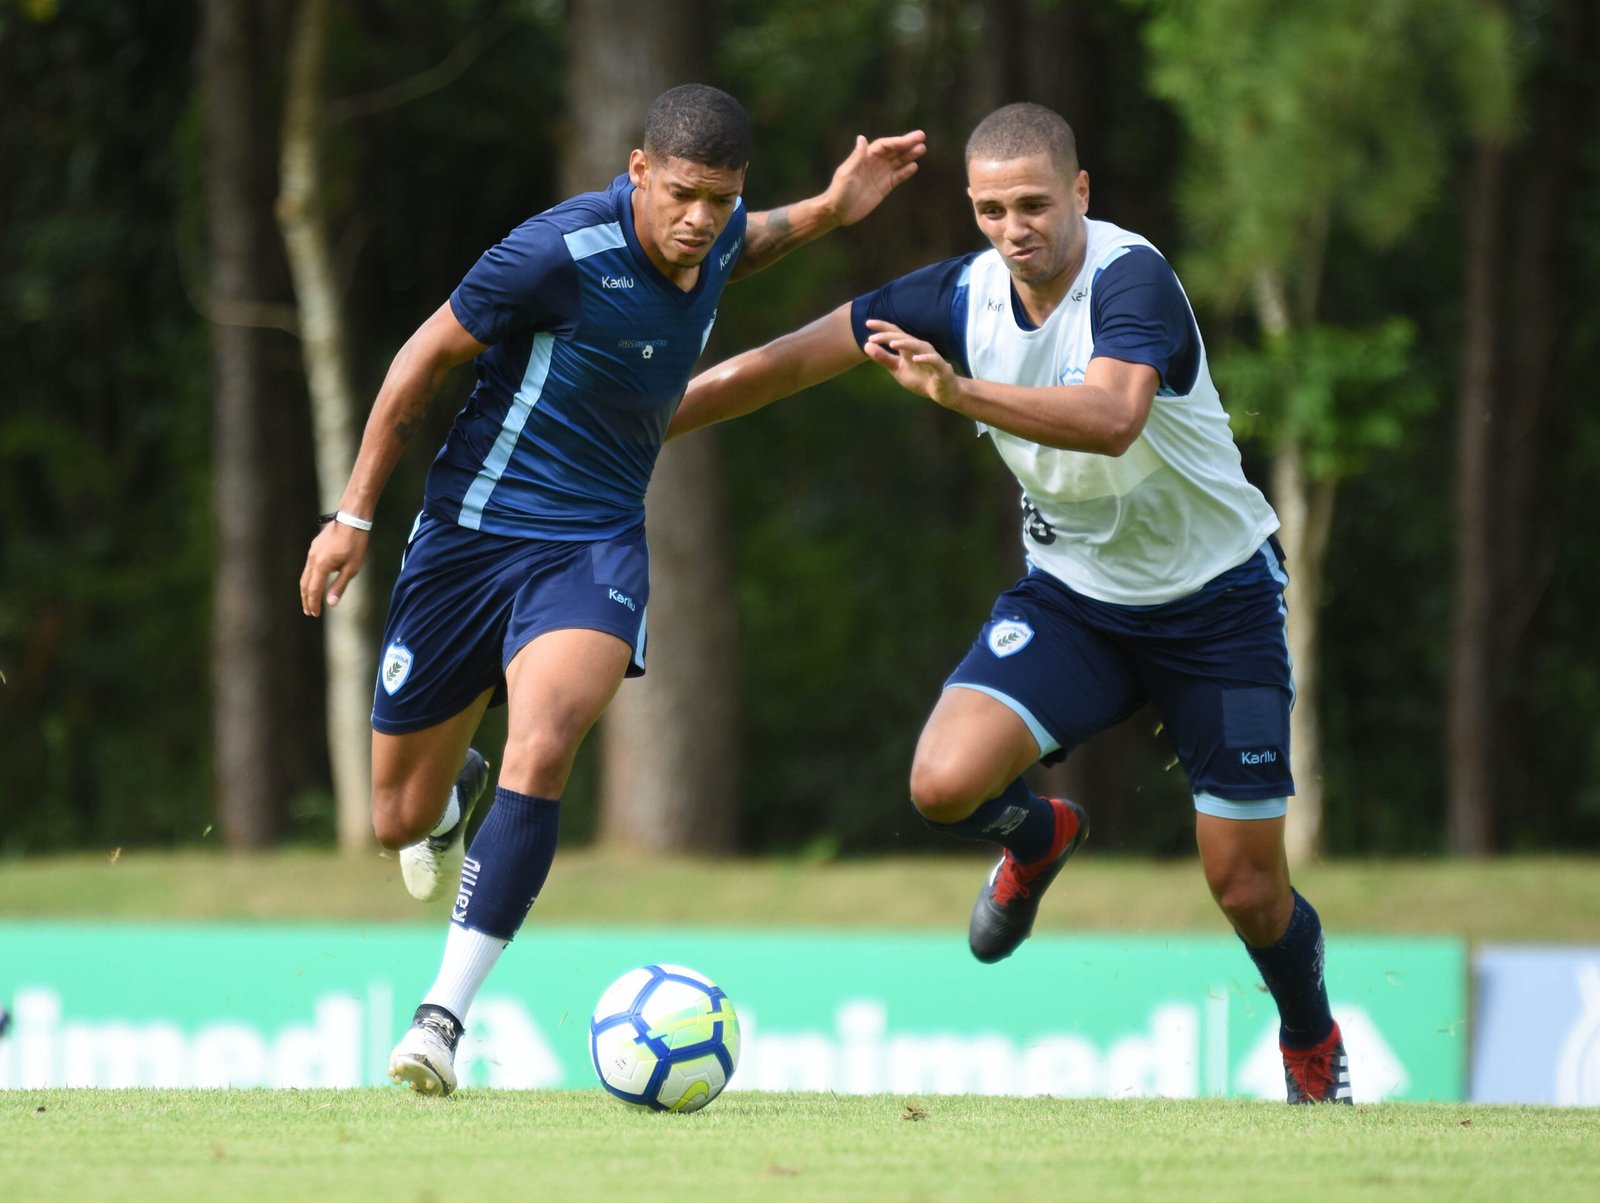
[(671, 738), (349, 658), (250, 808), (620, 57), (669, 742), (1545, 296), (1470, 741), (1305, 514)]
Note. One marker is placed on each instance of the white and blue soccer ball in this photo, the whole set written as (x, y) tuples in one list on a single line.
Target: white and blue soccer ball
[(664, 1037)]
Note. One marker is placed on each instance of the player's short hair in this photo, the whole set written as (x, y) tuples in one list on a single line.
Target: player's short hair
[(700, 124), (1020, 130)]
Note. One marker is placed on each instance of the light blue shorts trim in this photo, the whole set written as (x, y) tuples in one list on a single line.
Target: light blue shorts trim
[(1047, 742), (1261, 808)]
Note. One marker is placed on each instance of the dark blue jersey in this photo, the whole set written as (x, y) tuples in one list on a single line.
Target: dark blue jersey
[(589, 350)]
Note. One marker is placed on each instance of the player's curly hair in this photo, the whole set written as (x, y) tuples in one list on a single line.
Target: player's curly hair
[(700, 124), (1019, 130)]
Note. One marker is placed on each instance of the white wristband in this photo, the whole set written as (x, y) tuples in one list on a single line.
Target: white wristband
[(344, 518)]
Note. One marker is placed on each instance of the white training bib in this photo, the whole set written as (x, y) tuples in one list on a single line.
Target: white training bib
[(1142, 528)]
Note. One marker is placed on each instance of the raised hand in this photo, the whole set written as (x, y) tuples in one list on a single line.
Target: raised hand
[(872, 171)]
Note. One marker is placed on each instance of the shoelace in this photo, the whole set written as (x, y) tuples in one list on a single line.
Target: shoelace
[(1312, 1069), (441, 843), (1013, 879), (1011, 882), (443, 1027)]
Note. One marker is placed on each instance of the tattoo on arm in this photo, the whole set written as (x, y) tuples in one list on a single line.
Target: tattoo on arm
[(771, 238), (778, 223), (406, 424)]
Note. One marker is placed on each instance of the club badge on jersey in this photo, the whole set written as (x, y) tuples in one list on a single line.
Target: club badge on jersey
[(396, 668), (1008, 637)]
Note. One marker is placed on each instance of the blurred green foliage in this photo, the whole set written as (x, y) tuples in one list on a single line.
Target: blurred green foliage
[(870, 533)]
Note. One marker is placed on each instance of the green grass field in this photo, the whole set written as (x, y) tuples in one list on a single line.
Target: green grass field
[(482, 1145), (244, 1146)]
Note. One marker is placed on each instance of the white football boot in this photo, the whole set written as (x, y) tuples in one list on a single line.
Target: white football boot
[(423, 864), (425, 1058)]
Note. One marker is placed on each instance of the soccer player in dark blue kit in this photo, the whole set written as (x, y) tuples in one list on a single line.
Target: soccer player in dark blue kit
[(526, 576), (1153, 573)]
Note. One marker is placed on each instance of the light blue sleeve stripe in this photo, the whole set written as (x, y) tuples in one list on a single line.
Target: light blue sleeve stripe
[(1221, 808), (591, 240), (505, 442), (1047, 742)]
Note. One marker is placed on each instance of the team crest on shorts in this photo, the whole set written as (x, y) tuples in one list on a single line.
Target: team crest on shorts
[(396, 667), (1009, 637)]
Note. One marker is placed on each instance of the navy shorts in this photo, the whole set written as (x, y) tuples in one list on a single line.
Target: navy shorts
[(467, 602), (1214, 664)]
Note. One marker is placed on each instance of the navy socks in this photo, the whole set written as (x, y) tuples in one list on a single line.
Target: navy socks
[(1019, 820), (505, 867), (1292, 970)]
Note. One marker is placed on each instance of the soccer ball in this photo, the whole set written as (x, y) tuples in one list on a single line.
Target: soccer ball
[(664, 1037)]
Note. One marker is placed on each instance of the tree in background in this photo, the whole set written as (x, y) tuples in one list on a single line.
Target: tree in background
[(1306, 123), (669, 740), (1531, 259), (867, 533), (264, 741), (308, 215), (104, 460), (868, 530), (303, 216)]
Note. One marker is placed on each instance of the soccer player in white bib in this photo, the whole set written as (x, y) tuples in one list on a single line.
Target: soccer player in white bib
[(1153, 570), (526, 575)]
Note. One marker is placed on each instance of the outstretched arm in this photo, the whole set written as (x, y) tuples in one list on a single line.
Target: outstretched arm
[(1103, 415), (416, 373), (873, 170), (784, 366)]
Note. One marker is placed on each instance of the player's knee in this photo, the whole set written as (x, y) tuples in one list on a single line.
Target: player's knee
[(1252, 902), (399, 814), (943, 792), (391, 826), (537, 762)]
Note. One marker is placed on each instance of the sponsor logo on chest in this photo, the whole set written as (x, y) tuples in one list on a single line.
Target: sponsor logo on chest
[(645, 346)]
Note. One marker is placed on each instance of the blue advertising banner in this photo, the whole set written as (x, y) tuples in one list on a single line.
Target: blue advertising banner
[(1537, 1037)]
